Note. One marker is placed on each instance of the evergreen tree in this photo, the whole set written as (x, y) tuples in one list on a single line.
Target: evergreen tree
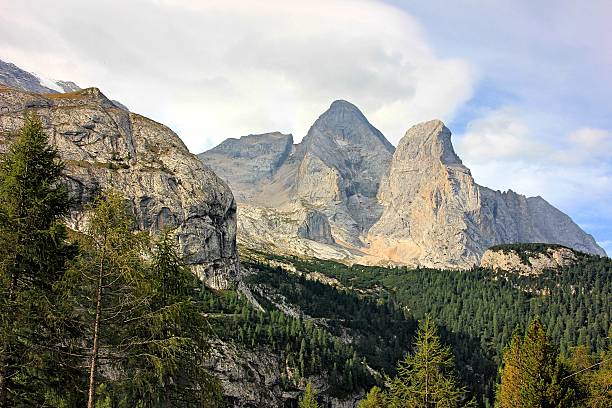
[(108, 288), (374, 399), (168, 364), (33, 256), (426, 378), (309, 399), (532, 374)]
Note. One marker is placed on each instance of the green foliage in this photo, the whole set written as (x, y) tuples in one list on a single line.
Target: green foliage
[(533, 375), (426, 378), (477, 310), (309, 399), (166, 365), (380, 329), (374, 399), (33, 257)]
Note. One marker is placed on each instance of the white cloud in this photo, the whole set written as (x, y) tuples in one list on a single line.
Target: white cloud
[(218, 69), (499, 135)]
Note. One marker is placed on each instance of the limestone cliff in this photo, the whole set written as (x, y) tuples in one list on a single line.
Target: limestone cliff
[(530, 260), (436, 215), (414, 205), (104, 146)]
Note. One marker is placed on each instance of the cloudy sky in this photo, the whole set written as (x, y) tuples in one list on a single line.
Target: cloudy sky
[(525, 86)]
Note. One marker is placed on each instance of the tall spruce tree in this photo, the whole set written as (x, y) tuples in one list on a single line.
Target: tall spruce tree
[(532, 375), (166, 367), (426, 379), (33, 256)]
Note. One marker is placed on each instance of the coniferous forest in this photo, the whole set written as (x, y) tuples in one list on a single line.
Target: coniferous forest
[(111, 317)]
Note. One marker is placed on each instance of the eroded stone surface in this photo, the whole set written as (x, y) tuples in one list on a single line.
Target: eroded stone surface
[(105, 147), (415, 205), (509, 260)]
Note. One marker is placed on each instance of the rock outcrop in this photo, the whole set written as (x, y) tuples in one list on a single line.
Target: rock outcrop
[(414, 205), (527, 261), (253, 378), (105, 147), (437, 216), (249, 162)]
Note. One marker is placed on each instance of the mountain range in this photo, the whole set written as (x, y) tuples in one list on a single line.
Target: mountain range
[(344, 192)]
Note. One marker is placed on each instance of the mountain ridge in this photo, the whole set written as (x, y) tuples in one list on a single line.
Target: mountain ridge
[(416, 204)]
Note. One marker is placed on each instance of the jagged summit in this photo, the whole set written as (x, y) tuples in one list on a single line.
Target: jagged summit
[(344, 123), (345, 192), (15, 77), (431, 139)]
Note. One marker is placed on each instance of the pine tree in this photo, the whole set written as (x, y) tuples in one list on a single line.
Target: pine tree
[(33, 256), (532, 374), (309, 399), (426, 378)]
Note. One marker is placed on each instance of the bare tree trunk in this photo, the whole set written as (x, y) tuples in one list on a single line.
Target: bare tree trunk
[(93, 366)]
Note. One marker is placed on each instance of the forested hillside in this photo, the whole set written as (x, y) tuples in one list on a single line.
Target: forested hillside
[(477, 310)]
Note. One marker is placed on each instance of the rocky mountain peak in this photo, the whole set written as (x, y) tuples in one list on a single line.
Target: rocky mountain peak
[(15, 77), (428, 139), (345, 124), (344, 192)]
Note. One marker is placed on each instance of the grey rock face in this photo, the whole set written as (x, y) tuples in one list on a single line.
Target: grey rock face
[(351, 155), (252, 378), (105, 147), (249, 162), (316, 227)]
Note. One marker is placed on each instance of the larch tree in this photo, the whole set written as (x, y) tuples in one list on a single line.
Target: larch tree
[(374, 399), (108, 287), (426, 378), (532, 375), (309, 399)]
